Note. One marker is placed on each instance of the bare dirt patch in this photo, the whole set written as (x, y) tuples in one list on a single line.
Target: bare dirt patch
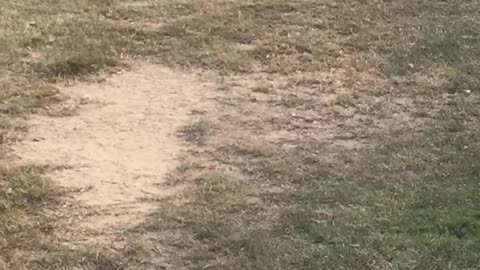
[(120, 144)]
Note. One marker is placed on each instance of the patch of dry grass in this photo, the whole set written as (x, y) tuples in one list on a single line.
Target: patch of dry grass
[(197, 132)]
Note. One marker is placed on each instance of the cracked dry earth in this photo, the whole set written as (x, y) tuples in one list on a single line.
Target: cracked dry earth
[(118, 146)]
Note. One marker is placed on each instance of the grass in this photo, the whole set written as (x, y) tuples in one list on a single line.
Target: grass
[(27, 227), (197, 132), (24, 193), (344, 100), (409, 203), (404, 199)]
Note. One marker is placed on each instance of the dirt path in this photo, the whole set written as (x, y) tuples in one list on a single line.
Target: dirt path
[(120, 144)]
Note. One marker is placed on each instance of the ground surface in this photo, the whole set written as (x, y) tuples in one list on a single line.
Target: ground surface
[(119, 143), (240, 134)]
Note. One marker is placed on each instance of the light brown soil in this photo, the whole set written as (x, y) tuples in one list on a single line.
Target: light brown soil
[(120, 143)]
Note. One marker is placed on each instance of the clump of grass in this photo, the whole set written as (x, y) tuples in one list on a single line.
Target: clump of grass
[(23, 194), (76, 65), (262, 88), (29, 188), (345, 100), (22, 96), (198, 132)]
